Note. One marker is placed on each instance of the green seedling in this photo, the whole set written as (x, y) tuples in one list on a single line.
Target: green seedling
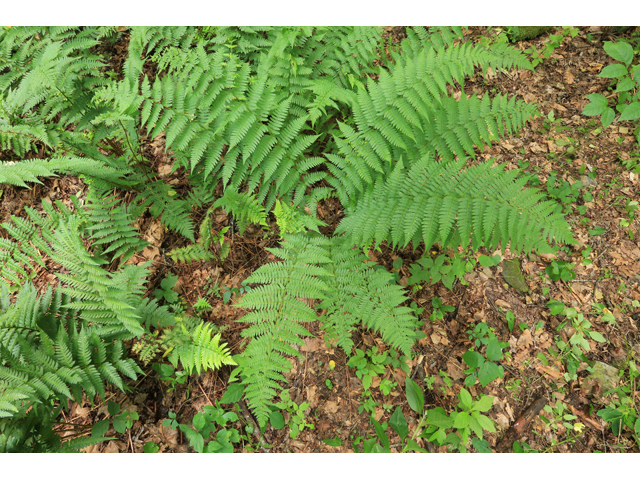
[(439, 309), (560, 270), (244, 288), (165, 292), (206, 423), (297, 421), (169, 374), (369, 365)]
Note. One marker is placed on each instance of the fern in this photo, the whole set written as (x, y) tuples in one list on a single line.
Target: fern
[(111, 226), (48, 353), (278, 322), (358, 293), (200, 350), (280, 119), (444, 203)]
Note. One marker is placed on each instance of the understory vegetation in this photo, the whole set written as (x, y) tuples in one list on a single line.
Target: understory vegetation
[(271, 128)]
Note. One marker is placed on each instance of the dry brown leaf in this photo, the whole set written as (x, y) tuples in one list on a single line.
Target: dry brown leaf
[(503, 304), (551, 371), (331, 406), (311, 345), (525, 340), (170, 436), (311, 395), (112, 447)]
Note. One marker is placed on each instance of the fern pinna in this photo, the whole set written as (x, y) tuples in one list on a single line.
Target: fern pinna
[(281, 118)]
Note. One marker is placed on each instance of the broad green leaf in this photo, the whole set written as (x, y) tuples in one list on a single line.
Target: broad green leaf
[(100, 428), (607, 117), (494, 352), (438, 417), (333, 442), (597, 337), (462, 420), (488, 372), (475, 425), (632, 112), (277, 420), (199, 421), (113, 408), (399, 423), (482, 446), (613, 71), (597, 231), (150, 447), (620, 51), (485, 422), (597, 106), (412, 446), (119, 423), (625, 85), (465, 399), (473, 359), (233, 394), (485, 261), (415, 396), (381, 435), (484, 404)]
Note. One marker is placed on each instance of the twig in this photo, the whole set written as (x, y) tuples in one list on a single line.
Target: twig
[(205, 394)]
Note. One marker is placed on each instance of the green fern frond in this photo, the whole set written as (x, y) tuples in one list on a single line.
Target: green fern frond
[(111, 225), (358, 293), (442, 202), (203, 351), (244, 207), (279, 312)]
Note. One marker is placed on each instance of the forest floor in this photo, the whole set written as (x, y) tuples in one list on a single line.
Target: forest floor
[(535, 401)]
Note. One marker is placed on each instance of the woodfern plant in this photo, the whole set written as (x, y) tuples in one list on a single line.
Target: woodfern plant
[(282, 118)]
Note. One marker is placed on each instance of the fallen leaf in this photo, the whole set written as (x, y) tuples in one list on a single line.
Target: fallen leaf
[(112, 447), (502, 303), (331, 407), (551, 371), (311, 345), (525, 340)]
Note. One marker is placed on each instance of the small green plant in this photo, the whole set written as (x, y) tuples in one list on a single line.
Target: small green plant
[(387, 386), (606, 315), (202, 305), (454, 429), (211, 420), (560, 415), (511, 319), (367, 403), (150, 447), (621, 413), (632, 163), (297, 420), (566, 193), (555, 40), (626, 78), (244, 288), (439, 310), (439, 268), (481, 369), (573, 351), (560, 270), (121, 421), (169, 374), (369, 365), (165, 291)]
